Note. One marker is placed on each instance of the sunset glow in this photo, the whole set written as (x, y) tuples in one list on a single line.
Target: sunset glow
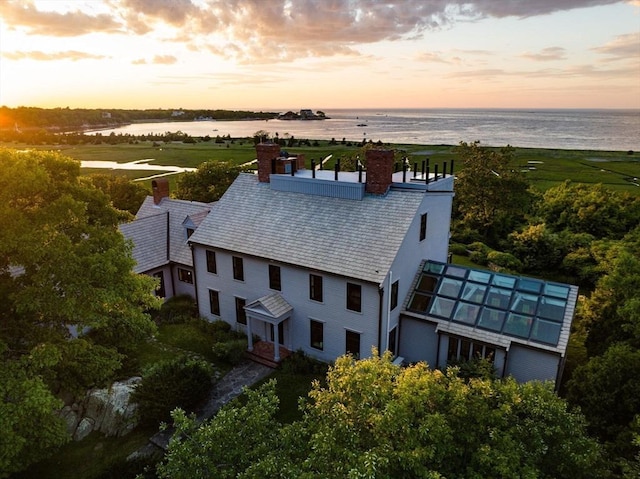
[(290, 54)]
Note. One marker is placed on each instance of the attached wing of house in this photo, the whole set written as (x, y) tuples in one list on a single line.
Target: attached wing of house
[(159, 235)]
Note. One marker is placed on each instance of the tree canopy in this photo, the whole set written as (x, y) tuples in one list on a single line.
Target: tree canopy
[(208, 183), (64, 266), (374, 419), (491, 197)]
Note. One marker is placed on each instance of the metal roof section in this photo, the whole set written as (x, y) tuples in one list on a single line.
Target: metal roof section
[(351, 184), (494, 307), (355, 239)]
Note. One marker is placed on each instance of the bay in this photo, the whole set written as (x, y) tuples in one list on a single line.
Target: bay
[(603, 130)]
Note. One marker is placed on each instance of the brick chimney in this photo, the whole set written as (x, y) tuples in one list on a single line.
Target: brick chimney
[(379, 171), (160, 189), (266, 152)]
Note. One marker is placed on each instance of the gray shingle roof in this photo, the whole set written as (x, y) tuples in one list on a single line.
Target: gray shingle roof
[(273, 305), (356, 239), (149, 236), (149, 232)]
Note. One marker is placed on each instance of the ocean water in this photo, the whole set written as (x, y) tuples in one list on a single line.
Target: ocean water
[(556, 129)]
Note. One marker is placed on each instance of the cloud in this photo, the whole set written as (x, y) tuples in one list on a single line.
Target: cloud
[(524, 8), (17, 13), (623, 47), (72, 55), (431, 57), (164, 60), (156, 60), (276, 30), (546, 54)]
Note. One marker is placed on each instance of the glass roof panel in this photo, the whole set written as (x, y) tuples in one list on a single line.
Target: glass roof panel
[(430, 267), (522, 307), (552, 308), (466, 313), (524, 303), (456, 271), (419, 302), (557, 290), (427, 283), (450, 287), (518, 325), (530, 285), (504, 281), (498, 298), (442, 307), (491, 319), (479, 276), (473, 292), (546, 331)]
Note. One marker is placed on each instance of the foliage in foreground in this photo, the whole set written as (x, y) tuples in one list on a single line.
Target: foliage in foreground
[(181, 382), (377, 420), (63, 265)]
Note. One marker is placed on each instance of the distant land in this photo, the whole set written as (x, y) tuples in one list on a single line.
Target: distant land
[(68, 119)]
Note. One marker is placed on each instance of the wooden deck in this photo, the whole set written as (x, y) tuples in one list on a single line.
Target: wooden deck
[(263, 353)]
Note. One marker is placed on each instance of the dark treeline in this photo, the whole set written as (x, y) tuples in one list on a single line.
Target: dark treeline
[(82, 118)]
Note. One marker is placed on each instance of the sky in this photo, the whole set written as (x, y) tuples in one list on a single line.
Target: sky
[(275, 55)]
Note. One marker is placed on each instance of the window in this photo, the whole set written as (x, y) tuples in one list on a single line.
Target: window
[(214, 302), (354, 297), (464, 350), (238, 268), (423, 226), (317, 335), (274, 277), (160, 292), (212, 267), (190, 231), (392, 341), (394, 295), (241, 314), (315, 287), (185, 275), (353, 344)]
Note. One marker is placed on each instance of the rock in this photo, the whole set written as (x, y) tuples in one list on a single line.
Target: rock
[(106, 410), (85, 427), (70, 417)]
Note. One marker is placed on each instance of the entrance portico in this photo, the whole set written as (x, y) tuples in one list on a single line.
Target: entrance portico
[(272, 309)]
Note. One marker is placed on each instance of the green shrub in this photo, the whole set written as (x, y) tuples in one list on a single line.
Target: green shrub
[(300, 363), (180, 382), (231, 351), (505, 260), (459, 249), (178, 309)]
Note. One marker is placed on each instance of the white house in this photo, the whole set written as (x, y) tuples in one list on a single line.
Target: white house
[(317, 263), (332, 262)]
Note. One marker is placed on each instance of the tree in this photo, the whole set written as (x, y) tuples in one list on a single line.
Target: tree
[(607, 389), (609, 314), (124, 194), (208, 183), (28, 429), (63, 266), (591, 209), (374, 419), (491, 196)]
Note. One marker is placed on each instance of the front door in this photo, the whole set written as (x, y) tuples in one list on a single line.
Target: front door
[(280, 333)]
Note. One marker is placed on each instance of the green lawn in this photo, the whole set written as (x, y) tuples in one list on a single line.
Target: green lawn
[(544, 167)]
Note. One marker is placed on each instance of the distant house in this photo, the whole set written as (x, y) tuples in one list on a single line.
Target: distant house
[(159, 235), (332, 262)]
